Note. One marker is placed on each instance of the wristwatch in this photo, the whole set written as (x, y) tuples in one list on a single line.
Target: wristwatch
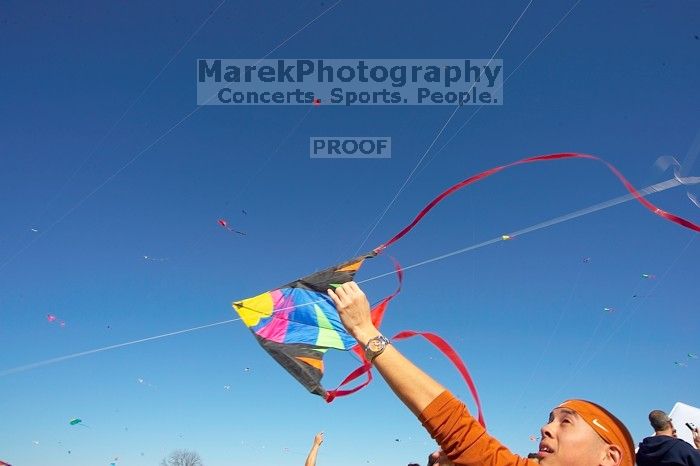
[(375, 346)]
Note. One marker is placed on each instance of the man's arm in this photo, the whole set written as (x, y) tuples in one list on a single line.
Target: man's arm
[(463, 440), (311, 459), (413, 386)]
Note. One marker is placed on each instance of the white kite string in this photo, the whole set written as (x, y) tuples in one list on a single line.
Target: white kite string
[(478, 109), (563, 218), (603, 205), (437, 136), (93, 152), (106, 348)]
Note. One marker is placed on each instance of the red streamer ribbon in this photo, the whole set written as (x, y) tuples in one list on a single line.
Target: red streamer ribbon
[(452, 355), (540, 158)]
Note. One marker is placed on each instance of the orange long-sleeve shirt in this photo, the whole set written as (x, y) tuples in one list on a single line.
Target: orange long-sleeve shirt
[(462, 438)]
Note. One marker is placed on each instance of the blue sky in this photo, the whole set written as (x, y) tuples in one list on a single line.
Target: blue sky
[(618, 80)]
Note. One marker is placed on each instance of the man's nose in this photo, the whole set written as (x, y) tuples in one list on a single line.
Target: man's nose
[(546, 430)]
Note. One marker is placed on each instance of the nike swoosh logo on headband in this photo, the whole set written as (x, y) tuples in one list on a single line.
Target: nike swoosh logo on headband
[(598, 424)]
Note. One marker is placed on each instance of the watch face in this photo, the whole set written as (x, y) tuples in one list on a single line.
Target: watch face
[(375, 344)]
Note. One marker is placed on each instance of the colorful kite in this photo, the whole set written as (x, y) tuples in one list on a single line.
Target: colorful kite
[(297, 323)]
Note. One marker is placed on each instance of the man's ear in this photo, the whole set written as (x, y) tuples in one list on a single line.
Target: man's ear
[(613, 456)]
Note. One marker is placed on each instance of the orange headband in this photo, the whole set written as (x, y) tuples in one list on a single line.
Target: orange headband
[(607, 426)]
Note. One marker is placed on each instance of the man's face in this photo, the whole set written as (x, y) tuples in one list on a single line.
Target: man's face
[(568, 441)]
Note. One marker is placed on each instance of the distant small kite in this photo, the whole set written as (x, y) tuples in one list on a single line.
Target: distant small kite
[(609, 309), (224, 224), (143, 381), (648, 276), (51, 318)]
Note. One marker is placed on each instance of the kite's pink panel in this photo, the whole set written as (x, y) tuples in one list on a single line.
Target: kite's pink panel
[(276, 329)]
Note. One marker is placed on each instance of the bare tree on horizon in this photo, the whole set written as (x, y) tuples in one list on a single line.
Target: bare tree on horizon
[(182, 458)]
